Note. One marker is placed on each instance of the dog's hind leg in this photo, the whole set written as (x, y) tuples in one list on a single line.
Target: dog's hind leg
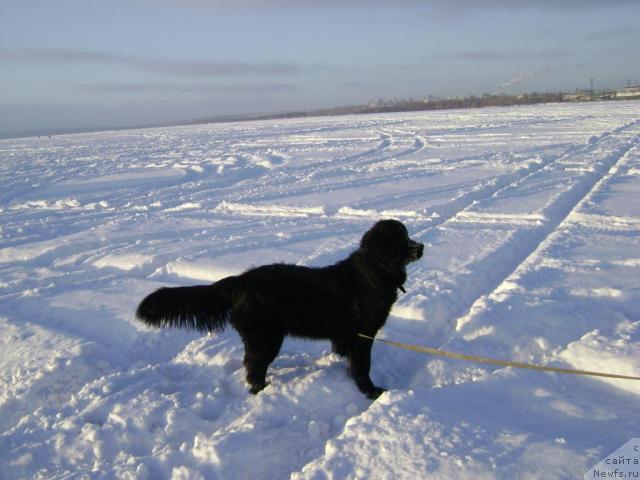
[(260, 351)]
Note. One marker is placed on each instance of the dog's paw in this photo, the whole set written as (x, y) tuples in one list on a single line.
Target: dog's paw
[(375, 392), (254, 389)]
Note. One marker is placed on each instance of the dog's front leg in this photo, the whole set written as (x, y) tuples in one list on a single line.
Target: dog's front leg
[(360, 365)]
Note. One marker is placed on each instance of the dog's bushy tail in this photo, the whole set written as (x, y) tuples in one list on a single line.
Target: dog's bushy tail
[(200, 307)]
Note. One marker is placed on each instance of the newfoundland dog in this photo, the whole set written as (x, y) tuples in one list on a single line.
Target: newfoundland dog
[(267, 303)]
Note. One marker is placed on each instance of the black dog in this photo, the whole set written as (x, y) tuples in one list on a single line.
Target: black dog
[(266, 303)]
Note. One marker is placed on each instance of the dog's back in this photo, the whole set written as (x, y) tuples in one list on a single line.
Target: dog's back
[(294, 300)]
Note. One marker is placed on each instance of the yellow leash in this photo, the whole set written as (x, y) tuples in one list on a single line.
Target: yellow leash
[(493, 361)]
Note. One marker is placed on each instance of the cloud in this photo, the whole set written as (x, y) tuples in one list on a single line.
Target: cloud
[(199, 68), (450, 6), (454, 7), (245, 89), (171, 67), (57, 55), (496, 55), (622, 33), (358, 84)]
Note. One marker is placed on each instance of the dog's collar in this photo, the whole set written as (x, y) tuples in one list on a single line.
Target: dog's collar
[(384, 268)]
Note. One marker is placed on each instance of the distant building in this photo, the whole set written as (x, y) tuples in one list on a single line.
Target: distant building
[(579, 96), (628, 92)]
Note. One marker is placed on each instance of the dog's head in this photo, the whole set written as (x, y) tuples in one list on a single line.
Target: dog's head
[(388, 242)]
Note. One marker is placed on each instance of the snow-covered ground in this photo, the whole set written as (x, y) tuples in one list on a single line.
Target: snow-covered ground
[(531, 216)]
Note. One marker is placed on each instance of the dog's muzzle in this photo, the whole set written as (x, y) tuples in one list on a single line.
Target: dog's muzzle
[(416, 250)]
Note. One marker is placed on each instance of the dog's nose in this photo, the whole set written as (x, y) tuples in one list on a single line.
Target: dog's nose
[(416, 249)]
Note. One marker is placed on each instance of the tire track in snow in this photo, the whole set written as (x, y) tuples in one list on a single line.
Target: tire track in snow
[(471, 193), (504, 183), (467, 295), (608, 171), (512, 258), (339, 173)]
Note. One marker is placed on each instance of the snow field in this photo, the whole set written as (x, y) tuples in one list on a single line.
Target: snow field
[(531, 217)]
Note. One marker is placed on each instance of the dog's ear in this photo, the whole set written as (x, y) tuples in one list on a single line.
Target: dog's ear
[(381, 242), (372, 242)]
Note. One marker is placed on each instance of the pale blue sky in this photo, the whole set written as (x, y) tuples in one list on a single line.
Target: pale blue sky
[(71, 64)]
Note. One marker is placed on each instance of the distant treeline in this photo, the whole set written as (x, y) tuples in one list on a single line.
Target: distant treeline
[(432, 103), (462, 102), (408, 106)]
